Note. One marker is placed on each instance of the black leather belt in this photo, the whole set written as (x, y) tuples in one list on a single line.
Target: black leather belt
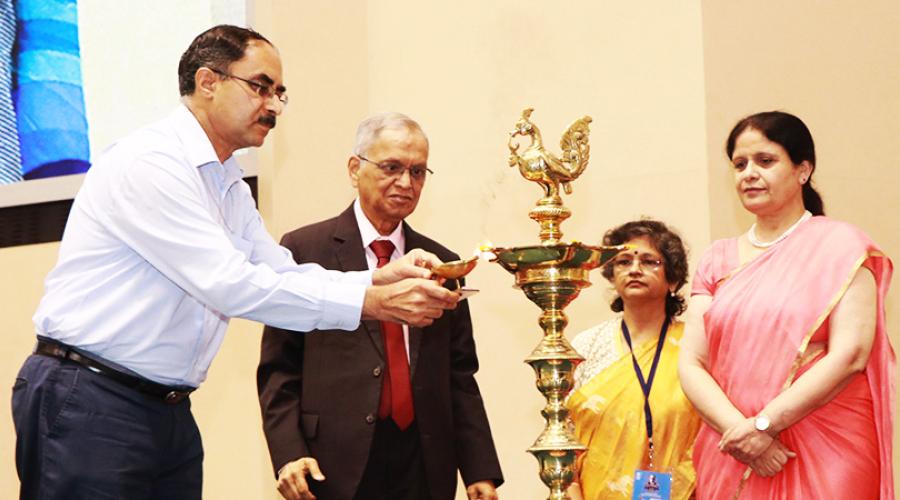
[(169, 395)]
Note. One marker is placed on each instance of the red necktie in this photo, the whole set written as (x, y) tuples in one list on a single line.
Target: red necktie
[(396, 392)]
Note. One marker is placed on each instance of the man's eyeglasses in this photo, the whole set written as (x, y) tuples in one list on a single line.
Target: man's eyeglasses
[(395, 169), (624, 263), (261, 89)]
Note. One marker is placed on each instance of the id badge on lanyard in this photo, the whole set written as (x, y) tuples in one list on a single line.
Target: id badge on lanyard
[(649, 484)]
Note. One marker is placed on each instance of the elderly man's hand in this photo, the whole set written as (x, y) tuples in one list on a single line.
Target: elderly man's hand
[(415, 264), (292, 483), (482, 490), (413, 301)]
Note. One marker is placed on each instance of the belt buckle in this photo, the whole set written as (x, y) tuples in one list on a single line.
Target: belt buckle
[(175, 397)]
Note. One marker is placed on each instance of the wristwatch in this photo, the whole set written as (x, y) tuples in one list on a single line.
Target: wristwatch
[(762, 423)]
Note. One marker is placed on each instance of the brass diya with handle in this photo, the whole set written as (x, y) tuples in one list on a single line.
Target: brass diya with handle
[(454, 271), (552, 274)]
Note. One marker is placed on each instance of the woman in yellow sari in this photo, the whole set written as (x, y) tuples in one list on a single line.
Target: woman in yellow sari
[(608, 403)]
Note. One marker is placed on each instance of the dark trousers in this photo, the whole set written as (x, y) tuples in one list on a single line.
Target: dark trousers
[(395, 470), (81, 435)]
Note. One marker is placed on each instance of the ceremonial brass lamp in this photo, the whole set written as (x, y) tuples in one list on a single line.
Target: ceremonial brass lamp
[(552, 274)]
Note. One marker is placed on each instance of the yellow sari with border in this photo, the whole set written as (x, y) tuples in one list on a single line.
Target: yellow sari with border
[(608, 412)]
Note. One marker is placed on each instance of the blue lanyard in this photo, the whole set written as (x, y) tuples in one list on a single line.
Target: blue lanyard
[(647, 384)]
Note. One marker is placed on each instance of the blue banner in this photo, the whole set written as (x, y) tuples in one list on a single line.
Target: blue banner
[(48, 95)]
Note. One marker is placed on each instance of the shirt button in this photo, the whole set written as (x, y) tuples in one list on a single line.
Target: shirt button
[(377, 371), (370, 419)]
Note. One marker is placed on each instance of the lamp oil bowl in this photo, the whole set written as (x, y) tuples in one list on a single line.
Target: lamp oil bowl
[(552, 274), (455, 269)]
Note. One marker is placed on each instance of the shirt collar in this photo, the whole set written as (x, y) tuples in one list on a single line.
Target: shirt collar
[(370, 234), (197, 146)]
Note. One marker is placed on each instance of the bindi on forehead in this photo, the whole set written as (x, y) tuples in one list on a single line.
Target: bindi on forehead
[(642, 253)]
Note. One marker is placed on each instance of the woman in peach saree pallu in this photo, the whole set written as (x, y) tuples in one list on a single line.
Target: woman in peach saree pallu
[(785, 354), (760, 324)]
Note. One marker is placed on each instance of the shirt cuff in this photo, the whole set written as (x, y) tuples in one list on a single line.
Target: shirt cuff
[(360, 277), (342, 305)]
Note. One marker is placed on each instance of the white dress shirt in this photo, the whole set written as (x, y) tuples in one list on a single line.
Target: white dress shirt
[(369, 234), (163, 245)]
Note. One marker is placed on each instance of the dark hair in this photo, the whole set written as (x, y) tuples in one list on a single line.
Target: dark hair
[(215, 48), (668, 243), (793, 135)]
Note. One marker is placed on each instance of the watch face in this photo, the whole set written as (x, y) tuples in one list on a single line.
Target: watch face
[(762, 423)]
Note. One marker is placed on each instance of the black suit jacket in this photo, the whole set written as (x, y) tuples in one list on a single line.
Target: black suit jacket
[(319, 391)]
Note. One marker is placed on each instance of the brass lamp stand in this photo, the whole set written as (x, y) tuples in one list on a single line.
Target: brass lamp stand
[(552, 274)]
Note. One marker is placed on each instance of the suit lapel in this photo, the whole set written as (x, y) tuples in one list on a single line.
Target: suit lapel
[(413, 240), (351, 256)]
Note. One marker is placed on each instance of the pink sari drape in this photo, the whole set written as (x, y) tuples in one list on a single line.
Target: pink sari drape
[(761, 319)]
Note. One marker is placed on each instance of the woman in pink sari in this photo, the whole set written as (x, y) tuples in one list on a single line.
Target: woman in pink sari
[(785, 354)]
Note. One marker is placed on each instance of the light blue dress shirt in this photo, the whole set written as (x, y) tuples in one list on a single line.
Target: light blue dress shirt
[(163, 245)]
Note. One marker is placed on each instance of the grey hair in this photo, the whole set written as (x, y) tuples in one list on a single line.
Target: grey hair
[(371, 127)]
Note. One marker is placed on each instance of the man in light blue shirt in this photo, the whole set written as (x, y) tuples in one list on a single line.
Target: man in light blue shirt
[(163, 245)]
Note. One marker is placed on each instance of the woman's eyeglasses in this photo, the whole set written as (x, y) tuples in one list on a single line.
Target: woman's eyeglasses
[(626, 262)]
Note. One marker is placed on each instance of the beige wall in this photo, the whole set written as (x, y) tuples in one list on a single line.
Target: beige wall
[(663, 85)]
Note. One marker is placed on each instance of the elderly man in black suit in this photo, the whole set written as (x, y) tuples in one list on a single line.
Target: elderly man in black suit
[(389, 411)]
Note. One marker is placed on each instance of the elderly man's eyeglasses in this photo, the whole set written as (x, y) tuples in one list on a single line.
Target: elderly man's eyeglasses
[(395, 169), (626, 262), (261, 89)]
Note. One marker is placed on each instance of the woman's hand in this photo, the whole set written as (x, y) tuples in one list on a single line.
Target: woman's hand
[(772, 461), (744, 442)]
